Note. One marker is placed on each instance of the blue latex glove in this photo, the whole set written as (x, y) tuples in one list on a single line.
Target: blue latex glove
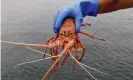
[(78, 11)]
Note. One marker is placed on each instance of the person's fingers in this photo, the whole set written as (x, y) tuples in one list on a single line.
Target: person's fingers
[(78, 17), (62, 14), (78, 22), (55, 17)]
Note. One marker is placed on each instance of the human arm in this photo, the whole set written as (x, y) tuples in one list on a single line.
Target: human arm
[(84, 8), (113, 5)]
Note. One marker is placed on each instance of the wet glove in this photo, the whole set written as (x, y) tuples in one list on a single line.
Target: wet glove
[(78, 11)]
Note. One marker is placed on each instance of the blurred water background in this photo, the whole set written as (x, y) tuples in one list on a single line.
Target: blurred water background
[(30, 21)]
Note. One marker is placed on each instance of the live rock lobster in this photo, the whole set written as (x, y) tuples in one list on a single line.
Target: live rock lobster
[(68, 40)]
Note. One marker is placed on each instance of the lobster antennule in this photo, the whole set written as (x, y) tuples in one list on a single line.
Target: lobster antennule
[(85, 24)]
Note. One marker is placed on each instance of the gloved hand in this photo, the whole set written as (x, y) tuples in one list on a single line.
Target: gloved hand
[(78, 11)]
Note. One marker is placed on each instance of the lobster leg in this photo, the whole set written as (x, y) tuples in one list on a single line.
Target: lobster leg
[(69, 45), (49, 39), (53, 38), (51, 52), (85, 24), (53, 65), (92, 36), (82, 54), (65, 59), (45, 50), (63, 46), (67, 55), (55, 50), (82, 47), (76, 57)]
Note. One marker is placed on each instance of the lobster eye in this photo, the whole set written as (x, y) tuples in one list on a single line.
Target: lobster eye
[(70, 33), (61, 33)]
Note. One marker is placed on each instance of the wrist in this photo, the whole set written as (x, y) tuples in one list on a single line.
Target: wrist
[(107, 5)]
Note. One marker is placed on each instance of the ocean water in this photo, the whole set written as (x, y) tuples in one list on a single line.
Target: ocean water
[(30, 21)]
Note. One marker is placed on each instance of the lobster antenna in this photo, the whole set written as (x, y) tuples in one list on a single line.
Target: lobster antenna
[(92, 68), (34, 60), (83, 67), (35, 45), (20, 64), (37, 51)]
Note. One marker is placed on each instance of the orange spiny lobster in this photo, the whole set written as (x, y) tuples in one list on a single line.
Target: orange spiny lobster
[(68, 39)]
